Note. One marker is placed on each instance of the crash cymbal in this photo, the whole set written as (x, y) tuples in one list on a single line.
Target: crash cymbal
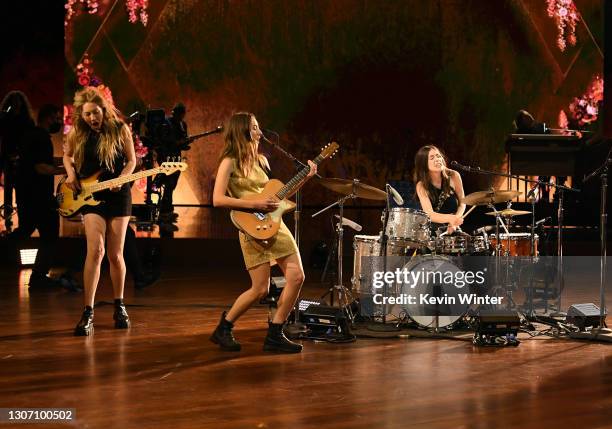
[(347, 186), (509, 213), (482, 198)]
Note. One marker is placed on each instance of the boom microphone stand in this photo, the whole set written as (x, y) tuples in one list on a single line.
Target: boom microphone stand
[(297, 327), (602, 172)]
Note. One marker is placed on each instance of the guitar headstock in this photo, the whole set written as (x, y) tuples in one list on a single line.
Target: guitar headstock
[(170, 167), (329, 150)]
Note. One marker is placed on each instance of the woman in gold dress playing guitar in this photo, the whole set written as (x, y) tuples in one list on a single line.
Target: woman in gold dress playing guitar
[(242, 171)]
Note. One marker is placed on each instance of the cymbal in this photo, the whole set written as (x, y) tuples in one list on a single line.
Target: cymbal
[(347, 186), (509, 212), (482, 198)]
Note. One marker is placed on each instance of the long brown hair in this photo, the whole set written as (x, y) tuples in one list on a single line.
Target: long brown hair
[(111, 142), (238, 143), (421, 171)]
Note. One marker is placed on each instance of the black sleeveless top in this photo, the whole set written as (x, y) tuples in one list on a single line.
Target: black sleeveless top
[(113, 204), (92, 164), (443, 202)]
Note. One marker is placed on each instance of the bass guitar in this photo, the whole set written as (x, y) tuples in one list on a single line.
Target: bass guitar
[(70, 202)]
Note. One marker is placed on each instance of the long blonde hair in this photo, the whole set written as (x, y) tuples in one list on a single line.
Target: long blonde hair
[(238, 143), (112, 140)]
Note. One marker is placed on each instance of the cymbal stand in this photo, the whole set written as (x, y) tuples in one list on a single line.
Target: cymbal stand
[(532, 255), (344, 295), (498, 248)]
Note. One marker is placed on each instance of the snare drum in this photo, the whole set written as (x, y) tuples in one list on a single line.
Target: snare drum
[(520, 243), (408, 226), (452, 245), (369, 245)]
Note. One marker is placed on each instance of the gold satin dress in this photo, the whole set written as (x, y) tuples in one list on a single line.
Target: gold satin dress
[(256, 252)]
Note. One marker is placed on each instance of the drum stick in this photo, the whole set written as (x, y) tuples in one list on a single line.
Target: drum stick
[(468, 212)]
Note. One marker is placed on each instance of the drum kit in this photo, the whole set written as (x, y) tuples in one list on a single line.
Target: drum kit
[(408, 235)]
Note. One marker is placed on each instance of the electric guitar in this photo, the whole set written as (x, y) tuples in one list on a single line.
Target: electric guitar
[(70, 202), (263, 226)]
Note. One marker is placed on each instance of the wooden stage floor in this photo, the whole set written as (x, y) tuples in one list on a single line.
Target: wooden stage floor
[(164, 372)]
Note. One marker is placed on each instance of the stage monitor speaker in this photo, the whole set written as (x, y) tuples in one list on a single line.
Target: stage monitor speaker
[(323, 321), (498, 322), (583, 316)]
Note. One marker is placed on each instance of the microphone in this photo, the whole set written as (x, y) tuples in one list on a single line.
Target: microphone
[(396, 196), (531, 192), (133, 116), (484, 229), (267, 140), (7, 109), (349, 223), (462, 167), (541, 221)]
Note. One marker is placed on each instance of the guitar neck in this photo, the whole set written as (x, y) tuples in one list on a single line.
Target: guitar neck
[(294, 183), (114, 183)]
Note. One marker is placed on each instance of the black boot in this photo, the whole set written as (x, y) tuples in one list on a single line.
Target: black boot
[(224, 337), (85, 325), (120, 316), (276, 341)]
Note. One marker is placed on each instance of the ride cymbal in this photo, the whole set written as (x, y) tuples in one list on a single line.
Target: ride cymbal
[(347, 186)]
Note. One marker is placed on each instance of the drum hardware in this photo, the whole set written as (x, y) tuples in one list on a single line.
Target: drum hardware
[(559, 188), (351, 189)]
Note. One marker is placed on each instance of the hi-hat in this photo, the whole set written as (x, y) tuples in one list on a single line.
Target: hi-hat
[(482, 198), (509, 213), (347, 186)]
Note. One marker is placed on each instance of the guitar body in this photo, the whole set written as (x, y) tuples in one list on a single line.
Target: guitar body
[(69, 202), (262, 226)]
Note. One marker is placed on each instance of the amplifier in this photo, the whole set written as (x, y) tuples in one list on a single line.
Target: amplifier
[(498, 322), (584, 316)]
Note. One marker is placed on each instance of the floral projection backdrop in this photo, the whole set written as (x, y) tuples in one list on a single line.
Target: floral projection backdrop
[(381, 78)]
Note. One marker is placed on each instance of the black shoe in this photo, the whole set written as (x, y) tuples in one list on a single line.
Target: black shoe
[(167, 227), (224, 337), (42, 282), (276, 341), (146, 280), (85, 326), (121, 318), (69, 283)]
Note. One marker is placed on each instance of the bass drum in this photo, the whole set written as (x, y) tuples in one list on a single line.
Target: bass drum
[(430, 272)]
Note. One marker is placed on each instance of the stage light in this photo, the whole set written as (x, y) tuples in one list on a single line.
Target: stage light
[(28, 256)]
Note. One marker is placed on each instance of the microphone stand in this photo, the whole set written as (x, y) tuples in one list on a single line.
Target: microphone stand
[(560, 189), (297, 327), (383, 252), (602, 171)]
